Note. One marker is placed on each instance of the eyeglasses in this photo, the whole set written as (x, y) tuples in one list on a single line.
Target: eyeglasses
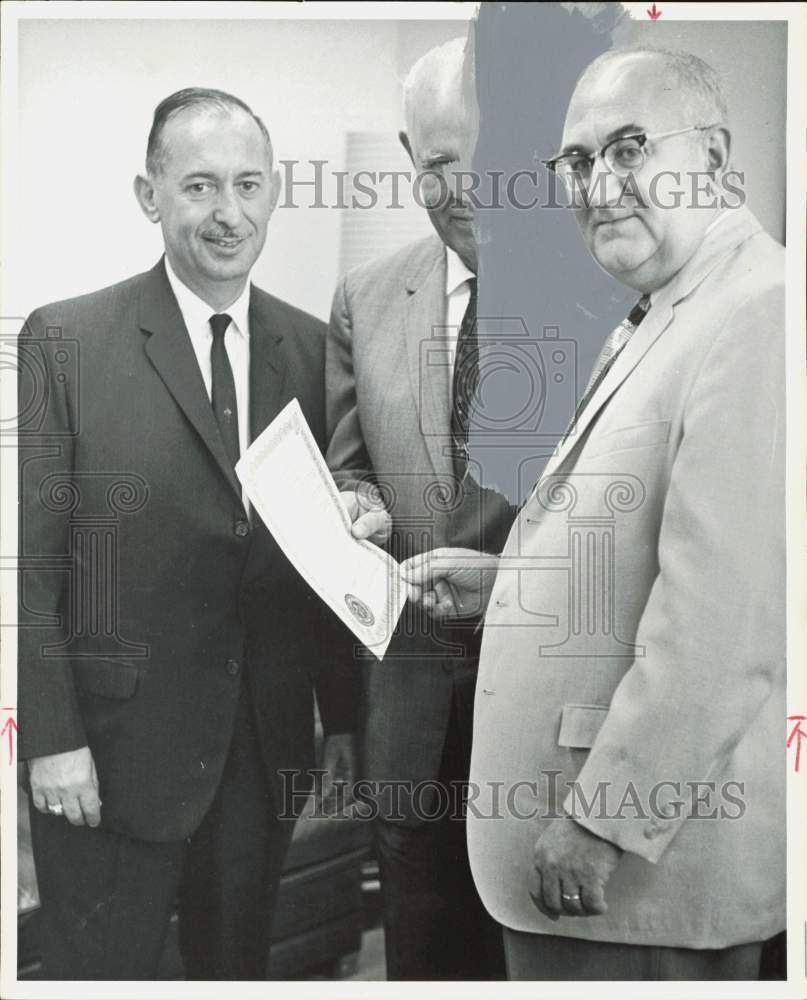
[(622, 156)]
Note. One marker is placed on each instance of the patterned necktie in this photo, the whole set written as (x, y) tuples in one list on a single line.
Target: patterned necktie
[(223, 398), (610, 351), (465, 381)]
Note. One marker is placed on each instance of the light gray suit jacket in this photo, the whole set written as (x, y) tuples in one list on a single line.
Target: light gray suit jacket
[(635, 637), (388, 392)]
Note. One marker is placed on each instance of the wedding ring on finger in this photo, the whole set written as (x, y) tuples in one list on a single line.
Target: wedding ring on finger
[(56, 809), (574, 898)]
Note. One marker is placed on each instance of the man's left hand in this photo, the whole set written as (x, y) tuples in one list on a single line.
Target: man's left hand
[(368, 516), (571, 870), (339, 765)]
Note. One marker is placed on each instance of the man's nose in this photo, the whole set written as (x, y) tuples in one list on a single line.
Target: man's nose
[(604, 186), (228, 208)]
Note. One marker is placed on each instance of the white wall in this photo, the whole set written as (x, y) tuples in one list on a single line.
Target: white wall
[(87, 91)]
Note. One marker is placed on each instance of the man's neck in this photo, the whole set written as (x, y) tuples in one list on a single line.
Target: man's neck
[(219, 296)]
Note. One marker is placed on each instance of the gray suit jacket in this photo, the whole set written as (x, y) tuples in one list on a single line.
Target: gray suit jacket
[(388, 391), (635, 643)]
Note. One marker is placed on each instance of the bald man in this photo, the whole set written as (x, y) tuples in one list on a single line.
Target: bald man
[(638, 741), (396, 420)]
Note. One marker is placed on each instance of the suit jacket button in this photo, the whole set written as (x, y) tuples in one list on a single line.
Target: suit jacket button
[(232, 667), (241, 528)]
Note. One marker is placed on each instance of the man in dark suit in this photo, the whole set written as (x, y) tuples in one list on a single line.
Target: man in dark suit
[(397, 422), (168, 651)]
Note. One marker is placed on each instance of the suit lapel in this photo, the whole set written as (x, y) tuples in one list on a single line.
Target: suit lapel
[(722, 241), (267, 365), (171, 353), (426, 347), (658, 319)]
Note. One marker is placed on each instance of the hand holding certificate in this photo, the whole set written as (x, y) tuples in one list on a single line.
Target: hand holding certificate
[(288, 483)]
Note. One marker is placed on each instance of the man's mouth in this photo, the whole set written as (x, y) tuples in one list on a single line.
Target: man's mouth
[(225, 242), (612, 220)]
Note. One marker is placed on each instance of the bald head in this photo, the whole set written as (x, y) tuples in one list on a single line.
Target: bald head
[(643, 224), (681, 83)]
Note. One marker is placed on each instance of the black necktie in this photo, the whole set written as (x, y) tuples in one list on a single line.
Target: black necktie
[(223, 398), (465, 381)]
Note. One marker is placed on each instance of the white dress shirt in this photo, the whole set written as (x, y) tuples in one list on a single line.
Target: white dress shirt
[(196, 313), (458, 294)]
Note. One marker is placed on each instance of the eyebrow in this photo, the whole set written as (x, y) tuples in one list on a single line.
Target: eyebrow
[(209, 176), (630, 129)]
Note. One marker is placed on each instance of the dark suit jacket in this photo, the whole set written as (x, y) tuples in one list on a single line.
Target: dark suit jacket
[(144, 589), (389, 421)]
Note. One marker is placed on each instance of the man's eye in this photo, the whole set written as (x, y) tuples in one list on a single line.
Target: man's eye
[(627, 154), (249, 187), (200, 187), (575, 165)]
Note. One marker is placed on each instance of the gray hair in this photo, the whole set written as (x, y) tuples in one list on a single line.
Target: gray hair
[(442, 67), (698, 81)]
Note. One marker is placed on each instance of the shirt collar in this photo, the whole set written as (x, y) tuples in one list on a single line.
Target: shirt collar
[(456, 272), (196, 312)]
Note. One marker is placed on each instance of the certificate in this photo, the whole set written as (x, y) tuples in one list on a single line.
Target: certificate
[(288, 483)]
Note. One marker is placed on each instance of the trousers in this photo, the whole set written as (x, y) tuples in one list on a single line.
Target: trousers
[(435, 926), (553, 957)]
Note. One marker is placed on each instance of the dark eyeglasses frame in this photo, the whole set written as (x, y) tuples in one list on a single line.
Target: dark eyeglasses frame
[(641, 137)]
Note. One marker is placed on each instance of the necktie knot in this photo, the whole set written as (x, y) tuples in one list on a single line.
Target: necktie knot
[(639, 311), (218, 324)]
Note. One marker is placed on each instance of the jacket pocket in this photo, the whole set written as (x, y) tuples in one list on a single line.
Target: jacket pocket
[(106, 678), (579, 725), (637, 436)]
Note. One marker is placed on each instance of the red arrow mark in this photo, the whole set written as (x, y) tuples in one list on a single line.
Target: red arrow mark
[(797, 734), (11, 726), (652, 13)]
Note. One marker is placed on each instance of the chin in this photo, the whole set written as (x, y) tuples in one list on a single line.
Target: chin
[(620, 261)]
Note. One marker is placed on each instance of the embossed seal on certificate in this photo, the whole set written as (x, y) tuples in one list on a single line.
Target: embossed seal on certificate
[(359, 610)]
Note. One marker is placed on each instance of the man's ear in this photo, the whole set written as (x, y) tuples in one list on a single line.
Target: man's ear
[(146, 197), (718, 149), (275, 186), (407, 146)]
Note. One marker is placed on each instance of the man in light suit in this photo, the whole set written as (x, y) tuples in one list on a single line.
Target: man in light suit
[(168, 659), (630, 698), (395, 423)]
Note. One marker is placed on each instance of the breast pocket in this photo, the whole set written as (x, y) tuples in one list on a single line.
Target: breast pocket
[(643, 435)]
